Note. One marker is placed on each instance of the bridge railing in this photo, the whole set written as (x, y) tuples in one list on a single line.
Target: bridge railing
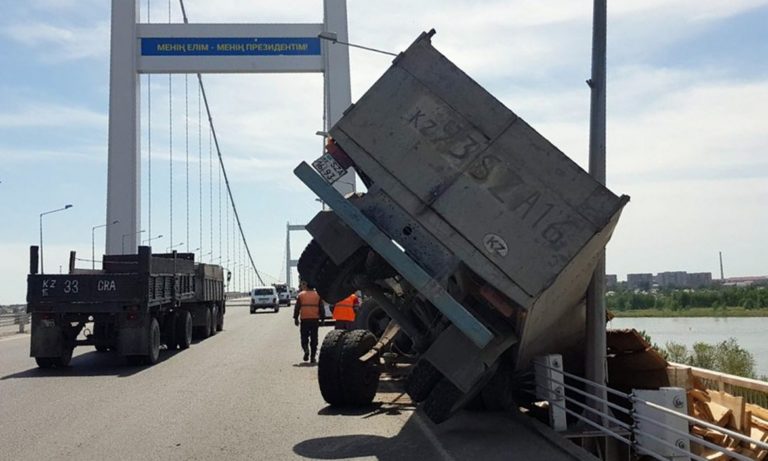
[(17, 318), (753, 390), (652, 423)]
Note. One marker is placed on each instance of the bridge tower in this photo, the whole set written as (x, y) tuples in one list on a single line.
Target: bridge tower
[(143, 48)]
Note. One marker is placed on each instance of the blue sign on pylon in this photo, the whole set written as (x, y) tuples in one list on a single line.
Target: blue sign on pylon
[(234, 46)]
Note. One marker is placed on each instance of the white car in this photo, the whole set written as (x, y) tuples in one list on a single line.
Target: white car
[(264, 298)]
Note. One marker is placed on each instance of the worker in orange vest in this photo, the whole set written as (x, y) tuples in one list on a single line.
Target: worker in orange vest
[(307, 313), (344, 312)]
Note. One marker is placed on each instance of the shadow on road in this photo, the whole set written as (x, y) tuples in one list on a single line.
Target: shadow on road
[(92, 364), (408, 444)]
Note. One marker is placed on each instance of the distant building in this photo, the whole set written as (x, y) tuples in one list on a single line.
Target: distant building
[(676, 279), (745, 281), (611, 281), (700, 279), (639, 281)]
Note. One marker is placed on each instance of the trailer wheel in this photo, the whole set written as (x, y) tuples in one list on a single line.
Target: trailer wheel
[(100, 334), (154, 343), (214, 319), (44, 362), (183, 329), (169, 330), (421, 380), (444, 401), (204, 331), (329, 367), (332, 282), (335, 283), (360, 379), (220, 320)]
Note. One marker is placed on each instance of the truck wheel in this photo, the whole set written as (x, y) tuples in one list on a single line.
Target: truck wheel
[(183, 330), (311, 259), (335, 283), (205, 330), (100, 334), (220, 320), (169, 330), (329, 367), (422, 379), (332, 282), (214, 319), (154, 343), (444, 401), (360, 379), (276, 309), (371, 317), (44, 362)]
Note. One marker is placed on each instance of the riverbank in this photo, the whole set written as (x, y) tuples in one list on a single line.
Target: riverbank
[(693, 312)]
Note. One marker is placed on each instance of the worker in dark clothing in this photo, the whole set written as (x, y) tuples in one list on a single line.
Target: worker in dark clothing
[(307, 314)]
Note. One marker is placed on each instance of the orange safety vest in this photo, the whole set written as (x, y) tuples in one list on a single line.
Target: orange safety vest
[(309, 302), (344, 310)]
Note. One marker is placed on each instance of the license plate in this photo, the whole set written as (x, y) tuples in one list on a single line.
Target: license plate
[(329, 168)]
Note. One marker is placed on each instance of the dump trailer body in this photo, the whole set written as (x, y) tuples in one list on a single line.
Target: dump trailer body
[(487, 186), (126, 301), (476, 235)]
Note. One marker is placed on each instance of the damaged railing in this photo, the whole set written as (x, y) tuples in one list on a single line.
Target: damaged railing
[(754, 391), (653, 423)]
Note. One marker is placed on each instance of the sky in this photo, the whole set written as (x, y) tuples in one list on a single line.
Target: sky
[(687, 122)]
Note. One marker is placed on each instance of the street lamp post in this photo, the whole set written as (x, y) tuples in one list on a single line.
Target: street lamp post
[(122, 246), (149, 240), (66, 207), (93, 238), (175, 246)]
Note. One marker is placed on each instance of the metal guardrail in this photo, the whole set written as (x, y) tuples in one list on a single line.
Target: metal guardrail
[(658, 429), (754, 391), (18, 318)]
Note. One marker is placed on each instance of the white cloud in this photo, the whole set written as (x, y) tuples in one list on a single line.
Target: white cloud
[(40, 114), (57, 43)]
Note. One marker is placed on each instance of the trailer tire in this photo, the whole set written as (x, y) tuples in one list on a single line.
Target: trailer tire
[(44, 362), (220, 321), (183, 330), (371, 317), (422, 380), (329, 368), (169, 330), (204, 331), (214, 319), (360, 379), (335, 283), (154, 338), (444, 401), (311, 259)]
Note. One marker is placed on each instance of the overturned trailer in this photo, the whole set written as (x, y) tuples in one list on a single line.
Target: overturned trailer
[(476, 235)]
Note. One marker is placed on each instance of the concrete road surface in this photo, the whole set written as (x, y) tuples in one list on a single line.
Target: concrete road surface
[(242, 394)]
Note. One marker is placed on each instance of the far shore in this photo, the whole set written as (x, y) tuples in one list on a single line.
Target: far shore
[(692, 312)]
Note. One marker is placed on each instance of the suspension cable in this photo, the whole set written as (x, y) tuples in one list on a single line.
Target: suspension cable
[(170, 139), (218, 152), (210, 194), (149, 141), (200, 164), (186, 149)]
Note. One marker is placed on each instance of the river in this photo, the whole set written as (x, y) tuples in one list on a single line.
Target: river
[(750, 332)]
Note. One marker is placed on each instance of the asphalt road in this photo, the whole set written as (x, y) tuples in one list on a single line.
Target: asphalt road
[(242, 394)]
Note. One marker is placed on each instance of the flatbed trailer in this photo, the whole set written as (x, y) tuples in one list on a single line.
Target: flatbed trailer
[(133, 306)]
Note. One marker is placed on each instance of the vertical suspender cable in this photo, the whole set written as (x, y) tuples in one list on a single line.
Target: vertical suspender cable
[(219, 171), (149, 144), (210, 193), (221, 160), (186, 150), (170, 140), (200, 164)]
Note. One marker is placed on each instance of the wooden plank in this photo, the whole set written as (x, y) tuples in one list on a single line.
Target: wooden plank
[(721, 415), (735, 404), (757, 411)]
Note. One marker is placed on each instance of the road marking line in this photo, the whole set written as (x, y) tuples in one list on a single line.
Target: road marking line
[(14, 337), (432, 438)]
